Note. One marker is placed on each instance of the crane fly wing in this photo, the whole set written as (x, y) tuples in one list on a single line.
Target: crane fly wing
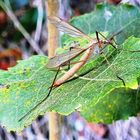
[(61, 59), (66, 27)]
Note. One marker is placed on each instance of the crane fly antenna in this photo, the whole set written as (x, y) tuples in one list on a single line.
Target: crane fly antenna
[(51, 87)]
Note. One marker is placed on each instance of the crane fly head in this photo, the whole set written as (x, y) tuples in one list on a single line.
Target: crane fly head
[(96, 50)]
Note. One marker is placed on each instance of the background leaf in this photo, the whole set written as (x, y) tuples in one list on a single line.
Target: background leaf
[(112, 19), (119, 104)]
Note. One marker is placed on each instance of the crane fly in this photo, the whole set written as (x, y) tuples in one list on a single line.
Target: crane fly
[(64, 58)]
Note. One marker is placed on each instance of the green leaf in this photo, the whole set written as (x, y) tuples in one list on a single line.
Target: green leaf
[(111, 19), (118, 104), (93, 91), (21, 87)]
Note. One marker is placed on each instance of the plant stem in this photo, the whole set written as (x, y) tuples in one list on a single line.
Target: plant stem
[(54, 121), (52, 10)]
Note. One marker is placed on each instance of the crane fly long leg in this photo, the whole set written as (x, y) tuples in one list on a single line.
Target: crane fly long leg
[(43, 99), (71, 63), (99, 42), (105, 56), (71, 48), (113, 70), (121, 80), (69, 60), (51, 87)]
